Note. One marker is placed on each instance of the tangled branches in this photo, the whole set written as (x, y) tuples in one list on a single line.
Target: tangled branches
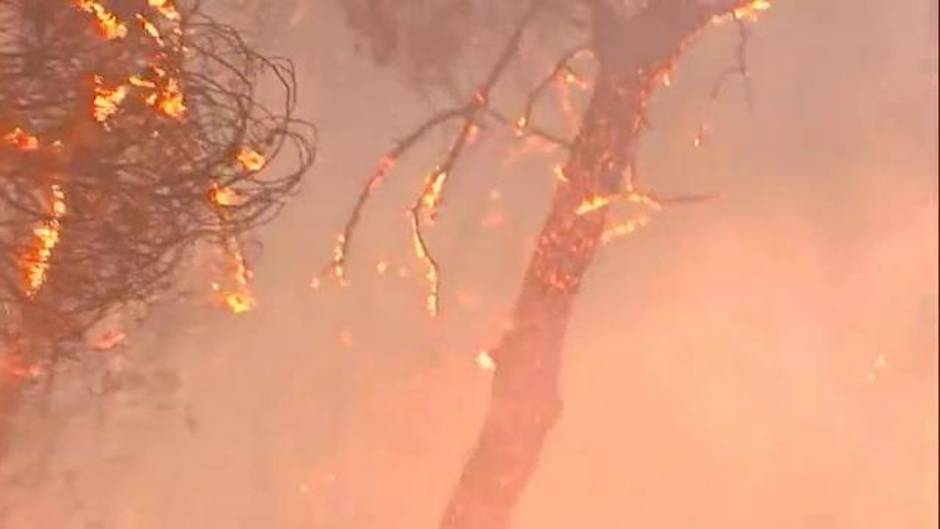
[(129, 131)]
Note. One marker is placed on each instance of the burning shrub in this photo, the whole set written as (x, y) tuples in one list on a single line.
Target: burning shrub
[(129, 131)]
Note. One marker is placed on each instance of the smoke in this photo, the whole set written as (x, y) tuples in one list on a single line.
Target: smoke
[(766, 359)]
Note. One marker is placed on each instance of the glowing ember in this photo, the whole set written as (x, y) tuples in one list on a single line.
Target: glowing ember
[(624, 228), (250, 159), (591, 204), (432, 275), (485, 361), (140, 82), (237, 296), (751, 9), (36, 262), (170, 100), (431, 197), (239, 302), (165, 8), (21, 140), (645, 200), (108, 24), (107, 101), (150, 29), (224, 196)]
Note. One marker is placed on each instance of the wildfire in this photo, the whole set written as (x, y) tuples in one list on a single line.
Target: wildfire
[(623, 228), (751, 9), (107, 101), (36, 262), (165, 8), (432, 275), (238, 298), (21, 140), (108, 24), (250, 159), (431, 197), (591, 204), (151, 29), (170, 100), (224, 196)]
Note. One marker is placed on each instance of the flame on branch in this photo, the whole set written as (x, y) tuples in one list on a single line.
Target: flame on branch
[(634, 47), (131, 133)]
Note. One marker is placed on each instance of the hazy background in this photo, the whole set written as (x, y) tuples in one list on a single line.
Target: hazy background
[(765, 360)]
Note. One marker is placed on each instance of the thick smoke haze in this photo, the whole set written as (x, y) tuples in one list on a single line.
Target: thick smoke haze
[(767, 359)]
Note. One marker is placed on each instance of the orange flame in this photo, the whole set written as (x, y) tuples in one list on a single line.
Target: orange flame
[(623, 228), (751, 10), (165, 8), (108, 24), (151, 29), (107, 101), (224, 196), (239, 298), (36, 262), (433, 189), (170, 100), (250, 159), (21, 140), (591, 204)]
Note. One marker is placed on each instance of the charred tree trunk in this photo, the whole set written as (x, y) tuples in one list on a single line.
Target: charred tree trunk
[(526, 399)]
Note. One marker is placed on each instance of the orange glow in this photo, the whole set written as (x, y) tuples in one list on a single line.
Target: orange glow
[(250, 159), (431, 198), (108, 24), (21, 140), (432, 275), (623, 228), (170, 101), (591, 204), (140, 82), (165, 8), (224, 196), (236, 294), (150, 29), (751, 9), (107, 101), (36, 262), (485, 361)]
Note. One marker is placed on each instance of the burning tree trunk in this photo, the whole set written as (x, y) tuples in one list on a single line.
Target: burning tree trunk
[(634, 49), (526, 398)]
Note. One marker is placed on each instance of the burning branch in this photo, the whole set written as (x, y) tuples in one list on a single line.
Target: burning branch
[(635, 45), (131, 132)]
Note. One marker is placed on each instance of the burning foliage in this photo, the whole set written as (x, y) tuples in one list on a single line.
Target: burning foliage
[(130, 131)]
